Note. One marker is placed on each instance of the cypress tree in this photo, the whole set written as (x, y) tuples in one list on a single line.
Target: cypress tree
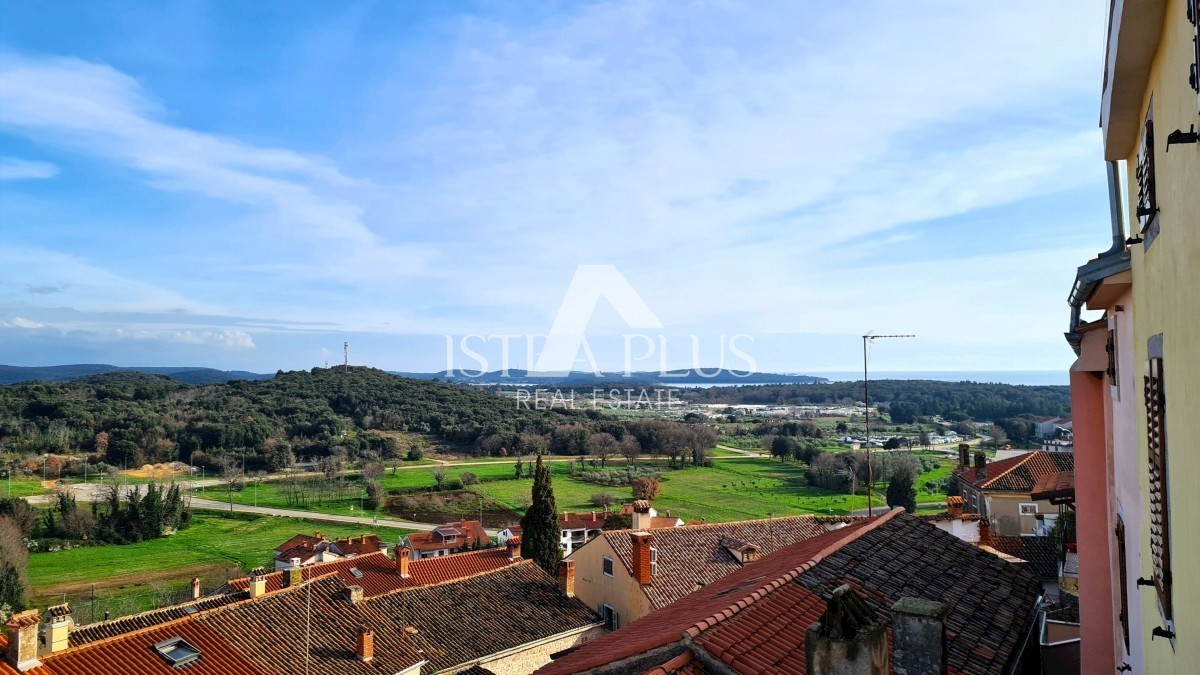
[(902, 490), (540, 539)]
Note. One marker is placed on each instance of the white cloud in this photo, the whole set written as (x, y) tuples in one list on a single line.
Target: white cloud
[(12, 168), (226, 339), (19, 322)]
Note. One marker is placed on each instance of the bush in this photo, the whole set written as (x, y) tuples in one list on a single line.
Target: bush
[(615, 477), (468, 479), (604, 499), (646, 488), (415, 454)]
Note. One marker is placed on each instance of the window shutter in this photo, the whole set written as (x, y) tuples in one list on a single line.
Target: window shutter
[(1147, 204), (1156, 444), (1193, 13), (1111, 348), (1123, 580)]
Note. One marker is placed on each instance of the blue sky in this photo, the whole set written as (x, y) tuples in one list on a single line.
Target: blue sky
[(248, 185)]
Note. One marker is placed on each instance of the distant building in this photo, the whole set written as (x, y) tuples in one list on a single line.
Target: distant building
[(462, 535), (316, 548), (1001, 491)]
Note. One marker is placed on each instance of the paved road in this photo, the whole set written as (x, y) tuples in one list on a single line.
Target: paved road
[(198, 503)]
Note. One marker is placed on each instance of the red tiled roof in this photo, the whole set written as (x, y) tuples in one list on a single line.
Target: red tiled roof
[(485, 614), (127, 624), (582, 521), (467, 533), (379, 573), (1055, 487), (1020, 473), (301, 540), (134, 653), (665, 626), (755, 620), (367, 543), (1037, 551), (688, 556)]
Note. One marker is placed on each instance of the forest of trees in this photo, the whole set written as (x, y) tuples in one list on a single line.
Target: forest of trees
[(127, 419), (906, 400)]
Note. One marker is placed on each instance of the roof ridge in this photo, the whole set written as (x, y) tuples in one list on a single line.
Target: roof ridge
[(722, 524), (394, 591), (769, 587), (1016, 465)]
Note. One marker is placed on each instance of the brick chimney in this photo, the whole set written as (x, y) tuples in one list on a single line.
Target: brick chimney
[(365, 644), (292, 576), (58, 630), (566, 577), (919, 637), (964, 456), (641, 556), (195, 588), (954, 507), (847, 640), (513, 546), (403, 559), (22, 630), (980, 467), (985, 532)]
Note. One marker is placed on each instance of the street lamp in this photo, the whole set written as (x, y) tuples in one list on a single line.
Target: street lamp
[(867, 339)]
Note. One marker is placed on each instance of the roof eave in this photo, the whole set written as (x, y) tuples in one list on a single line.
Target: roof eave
[(1134, 29)]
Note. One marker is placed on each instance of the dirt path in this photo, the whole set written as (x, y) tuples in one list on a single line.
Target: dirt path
[(198, 503)]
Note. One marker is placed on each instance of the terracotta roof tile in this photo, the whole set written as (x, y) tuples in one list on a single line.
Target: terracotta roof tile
[(485, 614), (1020, 473), (1037, 551), (684, 664), (580, 521), (126, 624), (134, 653), (707, 606), (1056, 487), (379, 573), (467, 534), (362, 545), (693, 555)]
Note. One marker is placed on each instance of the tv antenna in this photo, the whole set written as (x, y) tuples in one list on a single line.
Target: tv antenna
[(346, 355), (867, 340)]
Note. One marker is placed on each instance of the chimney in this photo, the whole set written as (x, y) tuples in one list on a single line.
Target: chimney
[(382, 546), (195, 588), (59, 629), (919, 637), (593, 516), (292, 576), (954, 507), (964, 456), (513, 546), (847, 639), (566, 577), (403, 558), (980, 467), (23, 639), (985, 532), (643, 515), (641, 556), (366, 643), (354, 594), (258, 583)]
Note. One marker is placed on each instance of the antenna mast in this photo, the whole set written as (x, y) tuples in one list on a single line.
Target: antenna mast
[(346, 355), (868, 339)]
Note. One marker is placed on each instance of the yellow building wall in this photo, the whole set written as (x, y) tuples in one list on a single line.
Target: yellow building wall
[(1166, 286), (1004, 513), (621, 591)]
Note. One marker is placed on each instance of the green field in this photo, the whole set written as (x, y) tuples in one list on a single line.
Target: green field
[(214, 546), (22, 487)]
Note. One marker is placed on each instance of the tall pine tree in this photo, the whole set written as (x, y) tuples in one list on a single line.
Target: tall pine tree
[(540, 538)]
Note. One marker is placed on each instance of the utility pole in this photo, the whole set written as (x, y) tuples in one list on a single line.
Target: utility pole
[(867, 339)]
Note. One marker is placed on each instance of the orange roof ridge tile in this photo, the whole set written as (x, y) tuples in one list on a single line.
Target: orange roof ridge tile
[(763, 591), (455, 580)]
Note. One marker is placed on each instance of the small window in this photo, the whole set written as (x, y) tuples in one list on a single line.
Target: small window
[(1147, 199), (451, 539), (1123, 578), (1029, 509), (608, 566), (177, 652), (653, 561), (356, 573), (1111, 348), (1193, 14), (612, 620)]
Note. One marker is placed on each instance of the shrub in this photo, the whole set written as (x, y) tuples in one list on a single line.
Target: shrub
[(414, 454), (646, 488), (604, 499), (468, 479)]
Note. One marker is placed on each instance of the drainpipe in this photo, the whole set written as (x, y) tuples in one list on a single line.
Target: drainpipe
[(1115, 213)]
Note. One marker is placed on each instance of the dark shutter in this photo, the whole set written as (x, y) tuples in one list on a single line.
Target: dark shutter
[(1193, 13), (1111, 348), (1156, 444), (1123, 581), (1147, 204)]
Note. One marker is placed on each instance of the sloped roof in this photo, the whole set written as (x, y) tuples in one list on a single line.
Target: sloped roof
[(486, 613), (127, 624), (693, 555), (302, 540), (361, 545), (684, 664), (1058, 488), (665, 626), (754, 620), (469, 531), (1020, 473), (379, 573), (580, 521), (1037, 551)]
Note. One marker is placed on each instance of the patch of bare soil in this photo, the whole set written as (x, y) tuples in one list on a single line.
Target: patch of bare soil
[(445, 507)]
